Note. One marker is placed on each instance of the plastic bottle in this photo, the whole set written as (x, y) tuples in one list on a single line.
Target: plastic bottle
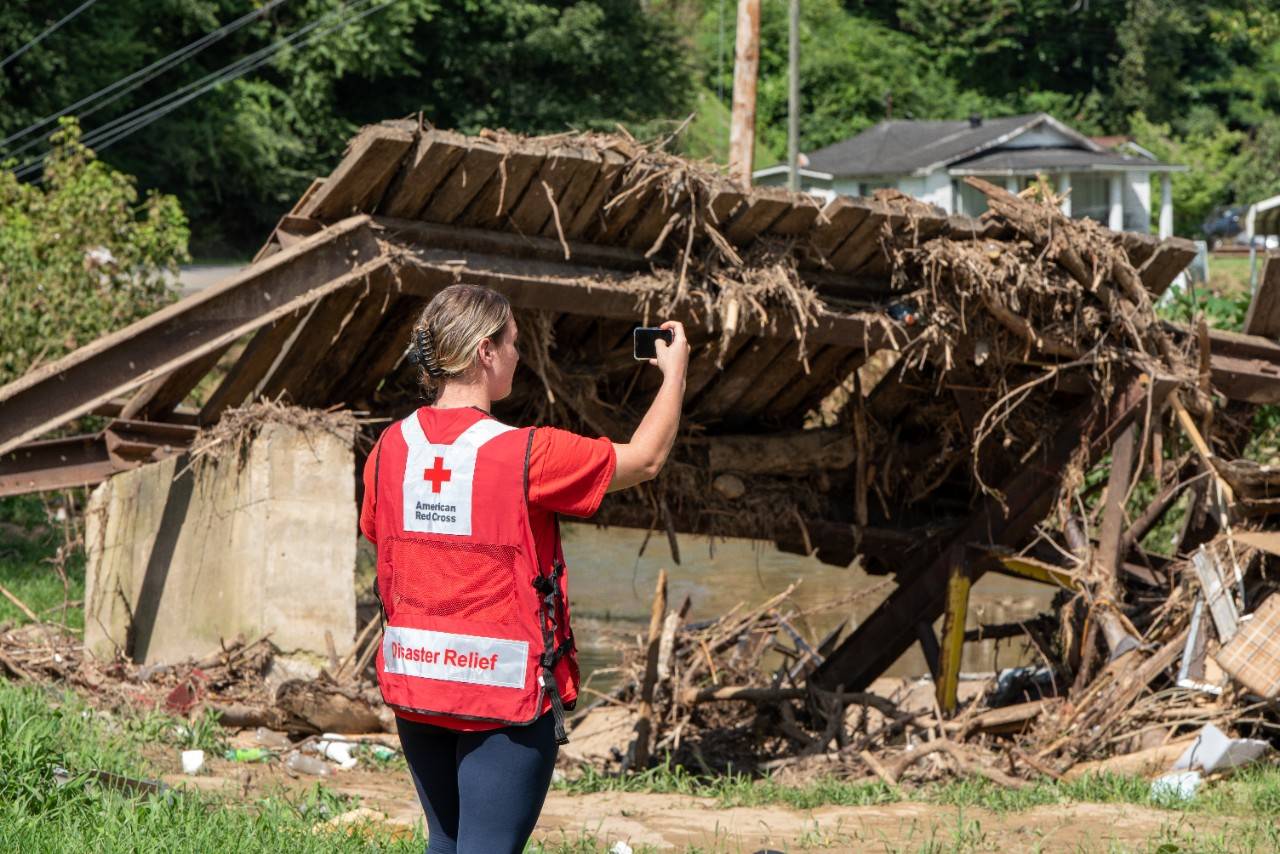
[(302, 764), (248, 754)]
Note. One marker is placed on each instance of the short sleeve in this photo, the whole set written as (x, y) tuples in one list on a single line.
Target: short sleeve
[(569, 473), (369, 504)]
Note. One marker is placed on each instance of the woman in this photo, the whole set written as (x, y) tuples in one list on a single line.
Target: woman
[(477, 658)]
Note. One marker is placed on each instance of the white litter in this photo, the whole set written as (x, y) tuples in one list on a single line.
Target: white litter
[(620, 848), (337, 749), (1176, 786), (1214, 751), (192, 761)]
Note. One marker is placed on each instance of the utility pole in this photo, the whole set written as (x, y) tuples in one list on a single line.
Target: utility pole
[(746, 63), (793, 99)]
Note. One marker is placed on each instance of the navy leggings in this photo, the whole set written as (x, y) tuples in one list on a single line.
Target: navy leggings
[(482, 791)]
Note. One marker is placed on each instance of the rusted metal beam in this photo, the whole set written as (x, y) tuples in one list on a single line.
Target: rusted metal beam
[(90, 459), (341, 255), (1028, 496)]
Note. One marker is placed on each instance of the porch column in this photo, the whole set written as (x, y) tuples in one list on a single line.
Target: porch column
[(1064, 189), (1116, 221), (1011, 184), (1166, 205)]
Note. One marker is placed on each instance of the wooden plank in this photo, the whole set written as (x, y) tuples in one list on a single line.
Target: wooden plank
[(619, 213), (577, 289), (352, 345), (364, 377), (1264, 309), (654, 221), (157, 399), (494, 203), (738, 378), (589, 215), (1170, 258), (827, 368), (556, 172), (464, 182), (254, 363), (837, 222), (781, 372), (761, 209), (573, 197), (356, 186), (722, 203), (881, 638), (301, 355), (798, 220), (435, 155), (955, 613), (187, 330), (863, 242), (702, 366)]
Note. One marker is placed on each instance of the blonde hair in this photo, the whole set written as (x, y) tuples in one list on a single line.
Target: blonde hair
[(449, 331)]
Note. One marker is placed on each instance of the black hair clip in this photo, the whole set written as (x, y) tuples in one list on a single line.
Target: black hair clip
[(423, 353)]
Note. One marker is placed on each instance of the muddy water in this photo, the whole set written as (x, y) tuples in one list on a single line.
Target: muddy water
[(611, 590)]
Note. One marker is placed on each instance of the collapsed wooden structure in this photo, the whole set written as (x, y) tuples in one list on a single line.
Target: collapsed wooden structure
[(829, 355)]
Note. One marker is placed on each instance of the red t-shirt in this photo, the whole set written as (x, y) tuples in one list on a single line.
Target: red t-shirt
[(568, 474)]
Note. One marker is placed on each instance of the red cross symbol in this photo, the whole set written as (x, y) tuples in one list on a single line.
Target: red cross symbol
[(437, 474)]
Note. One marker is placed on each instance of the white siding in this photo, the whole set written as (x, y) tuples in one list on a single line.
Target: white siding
[(1041, 137), (1137, 202)]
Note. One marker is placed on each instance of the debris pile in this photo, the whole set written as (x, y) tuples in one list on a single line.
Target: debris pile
[(246, 684)]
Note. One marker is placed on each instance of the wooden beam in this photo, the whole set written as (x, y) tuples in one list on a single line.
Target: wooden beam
[(371, 161), (1027, 497), (576, 289), (1264, 309), (955, 612), (49, 396)]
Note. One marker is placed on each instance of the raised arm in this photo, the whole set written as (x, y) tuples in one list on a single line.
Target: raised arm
[(644, 456)]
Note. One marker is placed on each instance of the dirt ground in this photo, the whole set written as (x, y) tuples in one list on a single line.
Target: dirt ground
[(676, 822)]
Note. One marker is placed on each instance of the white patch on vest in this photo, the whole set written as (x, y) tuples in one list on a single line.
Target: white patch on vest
[(438, 478), (455, 658)]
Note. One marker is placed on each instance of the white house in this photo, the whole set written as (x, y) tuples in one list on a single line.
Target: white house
[(930, 159)]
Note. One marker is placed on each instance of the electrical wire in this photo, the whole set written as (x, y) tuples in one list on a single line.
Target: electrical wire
[(35, 41), (141, 76), (116, 130)]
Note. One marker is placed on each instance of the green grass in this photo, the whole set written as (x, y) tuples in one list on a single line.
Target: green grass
[(1253, 791), (27, 564)]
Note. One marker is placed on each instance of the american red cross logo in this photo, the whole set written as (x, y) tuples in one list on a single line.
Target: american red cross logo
[(437, 474)]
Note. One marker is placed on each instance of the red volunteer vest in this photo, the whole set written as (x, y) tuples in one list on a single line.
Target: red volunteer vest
[(474, 627)]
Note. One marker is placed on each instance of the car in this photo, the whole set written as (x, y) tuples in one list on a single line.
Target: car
[(1224, 224)]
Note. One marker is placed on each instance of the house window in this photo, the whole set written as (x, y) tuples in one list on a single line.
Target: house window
[(1090, 196), (969, 201)]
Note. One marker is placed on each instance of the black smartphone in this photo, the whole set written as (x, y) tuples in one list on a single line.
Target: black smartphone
[(645, 340)]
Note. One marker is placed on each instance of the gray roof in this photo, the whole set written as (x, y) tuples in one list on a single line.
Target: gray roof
[(1032, 159), (894, 147), (919, 147)]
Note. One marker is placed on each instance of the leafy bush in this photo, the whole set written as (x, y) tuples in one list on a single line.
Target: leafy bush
[(80, 255)]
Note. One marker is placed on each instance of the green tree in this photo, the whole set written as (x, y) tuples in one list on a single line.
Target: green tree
[(80, 255), (1210, 149), (239, 155)]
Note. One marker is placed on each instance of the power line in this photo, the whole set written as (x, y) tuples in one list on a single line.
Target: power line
[(117, 129), (152, 71), (35, 41)]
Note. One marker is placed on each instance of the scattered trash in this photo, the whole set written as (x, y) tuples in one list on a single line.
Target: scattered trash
[(382, 753), (1176, 786), (1214, 751), (247, 754), (336, 748), (301, 763), (271, 739), (620, 848), (1252, 657), (192, 761)]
